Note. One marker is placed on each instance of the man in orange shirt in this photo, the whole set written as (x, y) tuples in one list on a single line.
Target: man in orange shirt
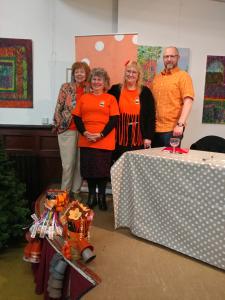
[(173, 93)]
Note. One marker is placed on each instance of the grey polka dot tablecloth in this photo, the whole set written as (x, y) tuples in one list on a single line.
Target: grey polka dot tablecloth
[(176, 200)]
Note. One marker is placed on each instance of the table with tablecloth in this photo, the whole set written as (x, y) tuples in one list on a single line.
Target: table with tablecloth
[(176, 200)]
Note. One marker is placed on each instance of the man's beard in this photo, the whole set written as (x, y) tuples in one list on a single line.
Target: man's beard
[(170, 66)]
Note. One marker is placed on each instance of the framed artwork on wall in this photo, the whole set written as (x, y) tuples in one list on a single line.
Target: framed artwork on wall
[(214, 94), (16, 73), (151, 61)]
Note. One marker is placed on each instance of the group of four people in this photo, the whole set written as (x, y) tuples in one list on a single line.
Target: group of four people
[(110, 121)]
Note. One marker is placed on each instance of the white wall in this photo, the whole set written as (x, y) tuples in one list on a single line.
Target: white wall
[(195, 24), (52, 25)]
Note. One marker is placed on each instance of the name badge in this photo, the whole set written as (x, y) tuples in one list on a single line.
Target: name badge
[(102, 103), (137, 101)]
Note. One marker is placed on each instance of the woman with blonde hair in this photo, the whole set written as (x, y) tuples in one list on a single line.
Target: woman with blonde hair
[(95, 116), (136, 126)]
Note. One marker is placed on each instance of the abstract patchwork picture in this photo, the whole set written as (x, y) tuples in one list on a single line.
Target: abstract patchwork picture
[(16, 73), (214, 96)]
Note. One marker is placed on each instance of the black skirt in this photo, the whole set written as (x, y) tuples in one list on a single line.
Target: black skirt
[(95, 163)]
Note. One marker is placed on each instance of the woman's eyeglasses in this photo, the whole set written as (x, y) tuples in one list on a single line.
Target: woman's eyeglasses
[(131, 72)]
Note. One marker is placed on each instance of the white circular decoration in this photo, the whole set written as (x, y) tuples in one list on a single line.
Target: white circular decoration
[(86, 60), (119, 37), (99, 46), (135, 39)]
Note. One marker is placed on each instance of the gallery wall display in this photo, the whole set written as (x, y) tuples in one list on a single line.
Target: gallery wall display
[(109, 51), (113, 51), (16, 73), (151, 61), (214, 95)]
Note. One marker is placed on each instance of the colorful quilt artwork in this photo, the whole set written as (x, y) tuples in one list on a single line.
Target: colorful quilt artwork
[(214, 96), (151, 60), (16, 74), (110, 51)]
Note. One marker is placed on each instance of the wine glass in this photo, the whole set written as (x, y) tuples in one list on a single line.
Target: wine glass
[(174, 142)]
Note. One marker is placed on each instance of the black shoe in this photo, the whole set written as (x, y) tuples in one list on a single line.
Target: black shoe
[(102, 202), (92, 201)]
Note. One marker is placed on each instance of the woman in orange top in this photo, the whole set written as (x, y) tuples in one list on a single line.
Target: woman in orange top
[(95, 116), (136, 126), (64, 125)]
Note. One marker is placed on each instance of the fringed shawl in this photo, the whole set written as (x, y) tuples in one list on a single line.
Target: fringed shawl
[(128, 129)]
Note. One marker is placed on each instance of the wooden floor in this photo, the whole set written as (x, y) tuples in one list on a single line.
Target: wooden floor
[(133, 269), (130, 269)]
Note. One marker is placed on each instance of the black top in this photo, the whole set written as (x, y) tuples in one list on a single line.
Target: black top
[(147, 109)]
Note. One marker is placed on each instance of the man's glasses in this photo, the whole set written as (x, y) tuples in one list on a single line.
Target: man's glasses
[(169, 56)]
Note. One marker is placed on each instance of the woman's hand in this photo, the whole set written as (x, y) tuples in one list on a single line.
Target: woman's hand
[(54, 129), (88, 136), (147, 143), (92, 137)]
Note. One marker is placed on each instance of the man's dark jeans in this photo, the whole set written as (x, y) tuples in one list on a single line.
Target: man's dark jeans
[(162, 139)]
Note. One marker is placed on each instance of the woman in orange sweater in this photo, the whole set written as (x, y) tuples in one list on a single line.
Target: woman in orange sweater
[(96, 116)]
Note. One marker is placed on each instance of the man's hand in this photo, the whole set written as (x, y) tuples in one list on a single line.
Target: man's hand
[(178, 130)]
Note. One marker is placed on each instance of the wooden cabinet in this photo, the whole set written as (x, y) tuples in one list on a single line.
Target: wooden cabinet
[(36, 154)]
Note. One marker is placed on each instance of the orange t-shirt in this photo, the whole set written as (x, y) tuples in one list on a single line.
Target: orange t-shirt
[(129, 102), (79, 92), (95, 111), (169, 91)]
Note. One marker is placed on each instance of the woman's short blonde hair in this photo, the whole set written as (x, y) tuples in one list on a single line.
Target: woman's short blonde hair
[(80, 65), (136, 65), (102, 73)]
